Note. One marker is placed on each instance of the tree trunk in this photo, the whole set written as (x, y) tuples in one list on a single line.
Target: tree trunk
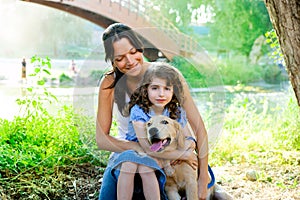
[(285, 17)]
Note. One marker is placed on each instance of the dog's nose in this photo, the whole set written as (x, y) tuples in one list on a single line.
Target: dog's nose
[(153, 131)]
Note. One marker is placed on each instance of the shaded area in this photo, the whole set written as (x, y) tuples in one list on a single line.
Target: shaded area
[(81, 181)]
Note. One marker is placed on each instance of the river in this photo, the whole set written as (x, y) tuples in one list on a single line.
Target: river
[(213, 100)]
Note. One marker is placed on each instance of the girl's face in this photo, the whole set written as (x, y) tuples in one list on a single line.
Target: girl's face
[(159, 93), (126, 58)]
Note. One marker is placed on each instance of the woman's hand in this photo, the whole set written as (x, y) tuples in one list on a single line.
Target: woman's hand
[(192, 159), (202, 189), (189, 157)]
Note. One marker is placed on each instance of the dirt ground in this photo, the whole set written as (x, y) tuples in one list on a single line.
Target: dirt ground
[(273, 183), (82, 182)]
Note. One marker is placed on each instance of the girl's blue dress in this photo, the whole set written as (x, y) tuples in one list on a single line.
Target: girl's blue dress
[(113, 169)]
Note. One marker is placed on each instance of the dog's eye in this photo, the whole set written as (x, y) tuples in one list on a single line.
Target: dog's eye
[(164, 122), (149, 124)]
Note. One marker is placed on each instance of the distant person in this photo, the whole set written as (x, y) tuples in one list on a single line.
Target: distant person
[(73, 67), (24, 69)]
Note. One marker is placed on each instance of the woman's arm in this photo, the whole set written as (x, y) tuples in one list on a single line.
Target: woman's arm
[(104, 120), (199, 130)]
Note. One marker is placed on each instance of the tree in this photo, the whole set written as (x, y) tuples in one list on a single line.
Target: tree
[(235, 24), (285, 17), (178, 12), (238, 23)]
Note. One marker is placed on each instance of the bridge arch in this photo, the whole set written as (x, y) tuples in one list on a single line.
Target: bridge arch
[(157, 33)]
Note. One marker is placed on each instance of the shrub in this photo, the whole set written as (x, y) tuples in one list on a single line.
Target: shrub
[(238, 70), (194, 77)]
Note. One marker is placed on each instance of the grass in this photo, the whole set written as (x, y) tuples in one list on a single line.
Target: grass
[(44, 156), (40, 158), (252, 132)]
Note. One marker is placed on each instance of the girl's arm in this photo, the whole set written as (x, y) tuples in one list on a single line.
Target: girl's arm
[(104, 120)]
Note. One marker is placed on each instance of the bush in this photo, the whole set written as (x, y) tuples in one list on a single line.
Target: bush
[(238, 70), (65, 80), (96, 75), (287, 128), (41, 142), (36, 139), (195, 78), (253, 127), (273, 74)]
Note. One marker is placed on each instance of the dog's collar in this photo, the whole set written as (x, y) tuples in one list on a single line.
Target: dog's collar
[(191, 138)]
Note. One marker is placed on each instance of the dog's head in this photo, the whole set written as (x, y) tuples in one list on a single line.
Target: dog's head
[(164, 134)]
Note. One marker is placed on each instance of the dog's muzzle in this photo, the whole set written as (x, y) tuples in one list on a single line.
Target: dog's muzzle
[(157, 143)]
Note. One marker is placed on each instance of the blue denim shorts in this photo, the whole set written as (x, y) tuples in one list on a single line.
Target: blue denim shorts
[(108, 190)]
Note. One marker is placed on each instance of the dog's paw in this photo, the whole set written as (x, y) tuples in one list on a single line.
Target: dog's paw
[(169, 171)]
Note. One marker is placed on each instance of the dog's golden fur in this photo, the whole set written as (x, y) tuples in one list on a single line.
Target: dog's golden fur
[(181, 176), (168, 135)]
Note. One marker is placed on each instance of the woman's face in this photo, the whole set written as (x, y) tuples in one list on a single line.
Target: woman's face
[(127, 58), (159, 93)]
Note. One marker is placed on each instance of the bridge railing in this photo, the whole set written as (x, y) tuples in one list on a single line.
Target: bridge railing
[(147, 10)]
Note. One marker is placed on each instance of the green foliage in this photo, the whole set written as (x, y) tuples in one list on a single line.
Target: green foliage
[(236, 24), (65, 79), (258, 132), (37, 139), (36, 145), (192, 75), (233, 71), (40, 142), (238, 70), (32, 105), (275, 53), (288, 126), (40, 153), (178, 12), (273, 74), (96, 75)]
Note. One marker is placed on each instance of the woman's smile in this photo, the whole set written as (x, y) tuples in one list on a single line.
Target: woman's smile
[(127, 58)]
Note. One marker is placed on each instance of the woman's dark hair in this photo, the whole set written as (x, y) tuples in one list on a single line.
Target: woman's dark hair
[(163, 71), (113, 33)]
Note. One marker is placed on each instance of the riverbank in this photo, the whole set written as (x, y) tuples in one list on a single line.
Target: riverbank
[(10, 90)]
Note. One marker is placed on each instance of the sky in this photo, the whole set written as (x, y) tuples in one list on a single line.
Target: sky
[(17, 22), (24, 27)]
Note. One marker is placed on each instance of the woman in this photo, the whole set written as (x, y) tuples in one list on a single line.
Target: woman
[(125, 51)]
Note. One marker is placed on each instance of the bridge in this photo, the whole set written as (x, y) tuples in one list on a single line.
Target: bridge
[(160, 37)]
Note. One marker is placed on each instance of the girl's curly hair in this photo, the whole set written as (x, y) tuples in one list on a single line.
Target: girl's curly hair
[(163, 71)]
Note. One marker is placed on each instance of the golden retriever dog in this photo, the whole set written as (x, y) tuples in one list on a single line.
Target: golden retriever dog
[(165, 134)]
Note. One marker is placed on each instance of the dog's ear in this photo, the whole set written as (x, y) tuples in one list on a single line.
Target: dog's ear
[(179, 135)]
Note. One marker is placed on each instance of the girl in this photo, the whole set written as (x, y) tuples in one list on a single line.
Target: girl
[(161, 93), (125, 52)]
